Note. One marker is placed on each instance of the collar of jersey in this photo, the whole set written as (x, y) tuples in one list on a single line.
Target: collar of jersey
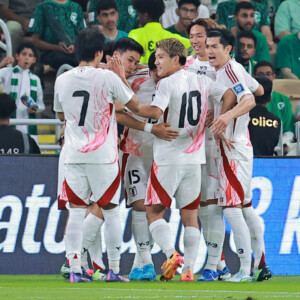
[(154, 25)]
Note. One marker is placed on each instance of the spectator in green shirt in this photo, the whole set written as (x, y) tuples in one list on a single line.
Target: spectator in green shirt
[(187, 11), (54, 27), (107, 14), (247, 50), (280, 104), (225, 17), (244, 17), (287, 57)]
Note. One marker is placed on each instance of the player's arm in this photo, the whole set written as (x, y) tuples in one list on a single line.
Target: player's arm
[(161, 131), (260, 91), (61, 116)]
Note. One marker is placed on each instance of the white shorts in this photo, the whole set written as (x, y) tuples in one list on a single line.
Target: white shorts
[(235, 185), (135, 174), (101, 180), (181, 181), (210, 185)]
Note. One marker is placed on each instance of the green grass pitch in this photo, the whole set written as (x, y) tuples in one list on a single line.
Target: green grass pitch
[(54, 287)]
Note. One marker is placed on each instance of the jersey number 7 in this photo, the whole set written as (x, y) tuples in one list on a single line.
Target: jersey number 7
[(86, 98)]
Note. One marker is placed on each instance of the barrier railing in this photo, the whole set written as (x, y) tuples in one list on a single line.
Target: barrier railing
[(7, 45), (297, 132)]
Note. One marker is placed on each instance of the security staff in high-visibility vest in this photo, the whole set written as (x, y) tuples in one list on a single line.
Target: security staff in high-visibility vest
[(264, 127)]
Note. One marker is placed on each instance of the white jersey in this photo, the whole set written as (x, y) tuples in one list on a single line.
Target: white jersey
[(183, 97), (86, 96), (136, 142), (193, 64), (234, 76)]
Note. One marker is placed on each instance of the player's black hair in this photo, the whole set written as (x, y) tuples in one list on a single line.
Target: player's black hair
[(128, 44), (243, 5), (151, 62), (263, 63), (27, 45), (249, 35), (226, 37), (88, 42), (154, 8), (7, 106), (267, 84), (194, 2), (105, 5), (207, 23), (109, 49)]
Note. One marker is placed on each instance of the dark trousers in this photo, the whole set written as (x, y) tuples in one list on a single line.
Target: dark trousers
[(56, 58)]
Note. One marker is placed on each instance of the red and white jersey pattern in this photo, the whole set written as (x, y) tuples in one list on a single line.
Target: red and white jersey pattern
[(234, 76), (86, 96), (183, 97), (140, 143), (193, 64)]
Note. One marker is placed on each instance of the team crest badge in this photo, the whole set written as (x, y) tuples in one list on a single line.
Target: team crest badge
[(133, 191), (238, 88), (73, 18)]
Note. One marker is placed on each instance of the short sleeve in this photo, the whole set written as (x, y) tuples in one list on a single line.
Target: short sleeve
[(36, 24), (282, 19), (282, 58), (57, 105), (251, 83), (221, 14), (216, 91), (162, 94)]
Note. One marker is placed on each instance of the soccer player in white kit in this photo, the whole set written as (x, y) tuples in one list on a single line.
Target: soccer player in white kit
[(182, 98), (84, 99), (235, 167)]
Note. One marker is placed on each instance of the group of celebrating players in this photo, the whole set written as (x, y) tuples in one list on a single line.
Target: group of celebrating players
[(185, 136)]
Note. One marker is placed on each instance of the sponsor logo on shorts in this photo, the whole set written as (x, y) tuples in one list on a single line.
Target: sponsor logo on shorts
[(214, 245), (132, 191), (238, 88), (240, 251)]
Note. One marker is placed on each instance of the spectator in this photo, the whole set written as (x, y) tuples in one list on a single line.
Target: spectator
[(19, 80), (127, 14), (107, 15), (280, 104), (287, 58), (247, 42), (151, 31), (187, 12), (226, 13), (13, 141), (54, 25), (171, 17), (264, 127), (17, 14), (287, 18), (244, 16)]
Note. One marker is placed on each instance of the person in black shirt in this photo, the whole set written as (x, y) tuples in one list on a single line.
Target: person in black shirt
[(13, 141), (264, 127)]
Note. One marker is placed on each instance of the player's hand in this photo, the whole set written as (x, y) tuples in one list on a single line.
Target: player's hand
[(220, 124), (62, 47), (115, 64), (209, 117), (103, 66), (221, 137), (32, 109), (164, 132), (6, 61)]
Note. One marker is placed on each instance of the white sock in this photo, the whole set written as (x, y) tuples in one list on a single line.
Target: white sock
[(161, 233), (113, 238), (73, 238), (191, 242), (91, 227), (241, 236), (203, 216), (137, 262), (215, 236), (257, 237), (140, 230), (95, 251)]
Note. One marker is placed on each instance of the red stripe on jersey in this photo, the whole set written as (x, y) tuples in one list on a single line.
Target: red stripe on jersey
[(166, 114), (232, 72), (229, 74), (72, 197), (161, 193), (137, 83), (233, 181), (194, 205), (110, 192), (123, 141)]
